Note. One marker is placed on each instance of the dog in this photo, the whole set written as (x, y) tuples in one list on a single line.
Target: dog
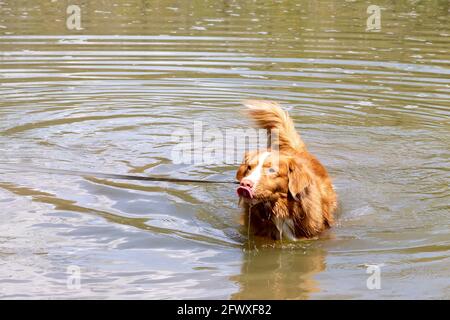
[(284, 190)]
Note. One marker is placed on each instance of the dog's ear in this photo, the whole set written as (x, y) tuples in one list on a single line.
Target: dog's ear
[(242, 168), (300, 178)]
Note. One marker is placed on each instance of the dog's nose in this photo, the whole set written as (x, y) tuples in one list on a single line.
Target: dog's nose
[(246, 183)]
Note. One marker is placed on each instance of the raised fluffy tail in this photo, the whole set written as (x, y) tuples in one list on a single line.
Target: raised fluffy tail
[(269, 115)]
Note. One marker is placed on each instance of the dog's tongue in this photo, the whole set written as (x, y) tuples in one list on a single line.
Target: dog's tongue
[(245, 192)]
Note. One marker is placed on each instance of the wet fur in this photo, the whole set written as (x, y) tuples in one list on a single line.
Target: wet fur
[(299, 200)]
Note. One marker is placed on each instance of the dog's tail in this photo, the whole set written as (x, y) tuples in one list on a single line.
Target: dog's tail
[(269, 115)]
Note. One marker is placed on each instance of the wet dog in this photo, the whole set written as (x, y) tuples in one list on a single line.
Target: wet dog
[(284, 190)]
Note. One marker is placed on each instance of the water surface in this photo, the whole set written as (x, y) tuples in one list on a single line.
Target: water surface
[(373, 106)]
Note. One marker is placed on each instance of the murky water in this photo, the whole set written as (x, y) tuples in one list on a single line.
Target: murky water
[(373, 106)]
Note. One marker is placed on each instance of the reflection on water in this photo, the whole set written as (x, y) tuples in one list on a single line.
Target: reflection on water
[(373, 106), (280, 272)]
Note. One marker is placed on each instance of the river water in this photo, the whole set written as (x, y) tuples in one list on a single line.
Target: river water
[(373, 105)]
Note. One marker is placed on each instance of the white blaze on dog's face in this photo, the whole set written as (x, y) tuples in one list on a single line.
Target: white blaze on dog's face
[(262, 175), (255, 175)]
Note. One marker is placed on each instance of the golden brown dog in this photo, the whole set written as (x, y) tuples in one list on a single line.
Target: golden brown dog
[(285, 191)]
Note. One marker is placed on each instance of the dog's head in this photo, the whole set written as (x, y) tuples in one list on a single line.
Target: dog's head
[(266, 176)]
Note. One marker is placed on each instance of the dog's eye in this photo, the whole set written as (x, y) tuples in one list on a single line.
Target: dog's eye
[(249, 168), (271, 170)]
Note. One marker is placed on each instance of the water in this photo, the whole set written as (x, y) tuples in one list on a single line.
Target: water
[(373, 106)]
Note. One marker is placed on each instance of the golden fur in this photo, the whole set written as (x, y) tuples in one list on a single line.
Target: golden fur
[(295, 199)]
